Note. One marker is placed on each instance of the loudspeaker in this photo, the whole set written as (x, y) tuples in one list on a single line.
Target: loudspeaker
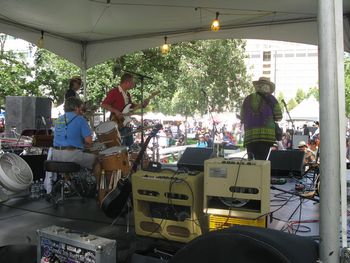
[(236, 188), (287, 163), (25, 113), (168, 205), (193, 158)]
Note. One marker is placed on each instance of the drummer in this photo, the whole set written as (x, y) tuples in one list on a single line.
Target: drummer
[(117, 99), (72, 134)]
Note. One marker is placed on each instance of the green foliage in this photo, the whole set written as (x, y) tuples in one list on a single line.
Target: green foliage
[(215, 66), (52, 74), (15, 75), (291, 104), (280, 97), (300, 96), (347, 87), (314, 91)]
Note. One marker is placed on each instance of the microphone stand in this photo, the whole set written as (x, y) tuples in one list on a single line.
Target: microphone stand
[(142, 78), (212, 119), (291, 120)]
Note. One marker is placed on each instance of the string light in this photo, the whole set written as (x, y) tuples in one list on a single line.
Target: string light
[(215, 25), (166, 46), (41, 40)]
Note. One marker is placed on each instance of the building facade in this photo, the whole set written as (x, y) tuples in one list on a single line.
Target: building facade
[(290, 66)]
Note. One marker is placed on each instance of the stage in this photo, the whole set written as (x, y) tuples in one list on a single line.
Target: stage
[(21, 217)]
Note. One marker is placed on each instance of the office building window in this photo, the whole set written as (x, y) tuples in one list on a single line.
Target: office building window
[(267, 56)]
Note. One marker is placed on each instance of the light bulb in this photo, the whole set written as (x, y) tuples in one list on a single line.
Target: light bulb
[(215, 25), (166, 46)]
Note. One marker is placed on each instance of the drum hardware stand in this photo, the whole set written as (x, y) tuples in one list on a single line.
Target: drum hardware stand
[(155, 149), (128, 208)]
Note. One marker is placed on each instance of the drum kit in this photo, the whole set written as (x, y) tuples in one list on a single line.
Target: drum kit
[(115, 159)]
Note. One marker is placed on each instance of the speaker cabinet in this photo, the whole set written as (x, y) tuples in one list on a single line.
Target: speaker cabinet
[(27, 113), (287, 163), (239, 189), (168, 205), (193, 158)]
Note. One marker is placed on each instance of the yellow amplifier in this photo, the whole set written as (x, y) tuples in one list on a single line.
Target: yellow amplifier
[(168, 205), (237, 188), (220, 222)]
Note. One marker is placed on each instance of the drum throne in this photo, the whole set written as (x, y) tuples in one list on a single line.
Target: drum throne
[(64, 187)]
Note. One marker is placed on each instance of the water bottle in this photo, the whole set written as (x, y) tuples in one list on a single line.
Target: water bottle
[(37, 190), (32, 191), (42, 188)]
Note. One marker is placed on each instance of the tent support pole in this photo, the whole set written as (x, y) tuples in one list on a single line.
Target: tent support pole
[(84, 66), (332, 127)]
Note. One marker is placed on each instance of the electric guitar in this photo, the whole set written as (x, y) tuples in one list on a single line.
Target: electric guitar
[(114, 202), (123, 119)]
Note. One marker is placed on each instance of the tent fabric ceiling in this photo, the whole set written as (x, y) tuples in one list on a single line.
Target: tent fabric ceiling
[(112, 29)]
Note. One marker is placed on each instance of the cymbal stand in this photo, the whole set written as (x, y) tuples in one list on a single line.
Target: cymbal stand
[(155, 149)]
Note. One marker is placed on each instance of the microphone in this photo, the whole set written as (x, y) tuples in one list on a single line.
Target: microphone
[(284, 103), (44, 121), (203, 91)]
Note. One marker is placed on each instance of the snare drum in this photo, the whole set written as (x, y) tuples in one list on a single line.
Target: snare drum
[(107, 133), (114, 159), (96, 148)]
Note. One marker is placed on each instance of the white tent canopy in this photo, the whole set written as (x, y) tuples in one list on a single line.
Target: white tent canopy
[(307, 110), (87, 32)]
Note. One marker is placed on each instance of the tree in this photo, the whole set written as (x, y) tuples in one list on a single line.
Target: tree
[(291, 104), (314, 91), (300, 96), (347, 86), (15, 74), (52, 74), (213, 66)]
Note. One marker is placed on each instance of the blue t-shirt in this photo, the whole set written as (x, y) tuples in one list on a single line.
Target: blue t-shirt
[(73, 133), (202, 144)]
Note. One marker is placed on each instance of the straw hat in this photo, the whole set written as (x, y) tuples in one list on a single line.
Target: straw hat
[(264, 85)]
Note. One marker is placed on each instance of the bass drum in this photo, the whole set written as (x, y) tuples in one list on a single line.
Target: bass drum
[(82, 183), (85, 183)]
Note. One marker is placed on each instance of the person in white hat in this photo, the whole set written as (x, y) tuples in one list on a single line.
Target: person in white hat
[(309, 157), (259, 112)]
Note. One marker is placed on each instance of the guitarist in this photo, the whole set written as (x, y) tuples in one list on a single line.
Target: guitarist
[(117, 99)]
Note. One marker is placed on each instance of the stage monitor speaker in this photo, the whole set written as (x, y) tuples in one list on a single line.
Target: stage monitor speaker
[(27, 113), (193, 158), (287, 163)]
